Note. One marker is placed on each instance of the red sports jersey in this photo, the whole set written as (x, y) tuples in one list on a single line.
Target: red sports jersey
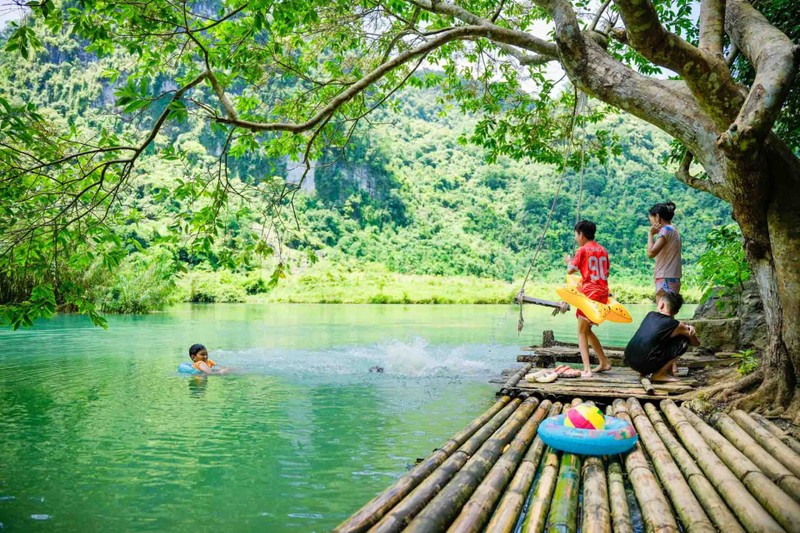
[(591, 260)]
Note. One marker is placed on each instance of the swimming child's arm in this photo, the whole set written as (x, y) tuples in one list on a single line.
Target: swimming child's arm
[(204, 368)]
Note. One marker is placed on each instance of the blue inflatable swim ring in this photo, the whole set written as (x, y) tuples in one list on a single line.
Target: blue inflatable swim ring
[(187, 368), (618, 437)]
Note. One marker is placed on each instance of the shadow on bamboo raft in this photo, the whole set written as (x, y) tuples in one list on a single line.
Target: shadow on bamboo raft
[(731, 472)]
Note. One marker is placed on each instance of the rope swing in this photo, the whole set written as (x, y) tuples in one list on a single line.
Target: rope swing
[(558, 307)]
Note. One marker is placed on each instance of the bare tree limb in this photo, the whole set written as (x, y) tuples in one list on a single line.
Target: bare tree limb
[(599, 15), (694, 182), (706, 74), (712, 18), (667, 104), (523, 40), (460, 33), (733, 53), (775, 59)]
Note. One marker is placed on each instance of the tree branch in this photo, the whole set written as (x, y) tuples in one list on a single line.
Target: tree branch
[(712, 16), (599, 15), (775, 59), (706, 74), (648, 36), (667, 104), (694, 182), (547, 50), (463, 32)]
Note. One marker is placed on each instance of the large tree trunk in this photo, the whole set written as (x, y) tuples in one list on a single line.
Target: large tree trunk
[(771, 229), (727, 130)]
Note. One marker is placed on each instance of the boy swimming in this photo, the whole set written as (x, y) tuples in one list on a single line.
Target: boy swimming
[(200, 361)]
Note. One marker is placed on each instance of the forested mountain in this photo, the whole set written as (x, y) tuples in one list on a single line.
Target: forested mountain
[(409, 192)]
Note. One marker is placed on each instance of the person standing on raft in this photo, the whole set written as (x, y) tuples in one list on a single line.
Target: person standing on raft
[(660, 340), (664, 244), (591, 260)]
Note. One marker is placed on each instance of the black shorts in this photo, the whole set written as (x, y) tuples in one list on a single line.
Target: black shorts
[(673, 348)]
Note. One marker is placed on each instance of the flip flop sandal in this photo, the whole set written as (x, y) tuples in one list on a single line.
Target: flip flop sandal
[(569, 374), (533, 375), (549, 378)]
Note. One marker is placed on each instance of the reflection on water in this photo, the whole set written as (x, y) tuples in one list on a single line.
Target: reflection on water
[(100, 432)]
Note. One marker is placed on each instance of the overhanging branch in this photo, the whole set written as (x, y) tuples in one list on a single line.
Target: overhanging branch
[(712, 18), (460, 33), (775, 59), (545, 51), (694, 182)]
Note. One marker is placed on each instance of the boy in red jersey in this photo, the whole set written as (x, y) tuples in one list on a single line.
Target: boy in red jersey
[(591, 260)]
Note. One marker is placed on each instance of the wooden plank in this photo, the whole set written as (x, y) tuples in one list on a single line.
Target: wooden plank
[(561, 306), (621, 386), (688, 362), (598, 392), (629, 379)]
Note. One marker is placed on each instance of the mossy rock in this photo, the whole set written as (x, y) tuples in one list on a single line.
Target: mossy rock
[(718, 335)]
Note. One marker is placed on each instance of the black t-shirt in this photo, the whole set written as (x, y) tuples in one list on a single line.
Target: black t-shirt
[(654, 331)]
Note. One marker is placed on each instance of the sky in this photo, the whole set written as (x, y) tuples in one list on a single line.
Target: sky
[(9, 11)]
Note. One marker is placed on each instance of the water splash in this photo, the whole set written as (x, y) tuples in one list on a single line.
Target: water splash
[(415, 359)]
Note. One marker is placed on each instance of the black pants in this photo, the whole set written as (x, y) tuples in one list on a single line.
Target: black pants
[(666, 352)]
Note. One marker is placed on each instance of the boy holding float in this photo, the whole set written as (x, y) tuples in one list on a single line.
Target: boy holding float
[(591, 260)]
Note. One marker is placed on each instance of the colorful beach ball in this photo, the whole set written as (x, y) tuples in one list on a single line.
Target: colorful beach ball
[(585, 416)]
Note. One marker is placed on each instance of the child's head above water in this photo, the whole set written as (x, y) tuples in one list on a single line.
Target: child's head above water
[(670, 303), (197, 352)]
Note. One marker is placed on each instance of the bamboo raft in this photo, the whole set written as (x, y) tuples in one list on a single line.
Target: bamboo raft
[(731, 473), (620, 382)]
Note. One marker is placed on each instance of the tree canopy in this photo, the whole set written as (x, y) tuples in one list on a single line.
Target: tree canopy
[(274, 79)]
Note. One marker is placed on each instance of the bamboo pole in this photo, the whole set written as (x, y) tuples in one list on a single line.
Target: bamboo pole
[(444, 507), (477, 510), (514, 379), (773, 428), (618, 499), (779, 504), (563, 515), (596, 511), (656, 513), (370, 513), (689, 510), (774, 469), (397, 517), (772, 443), (647, 385), (536, 517), (506, 516), (747, 508), (715, 506)]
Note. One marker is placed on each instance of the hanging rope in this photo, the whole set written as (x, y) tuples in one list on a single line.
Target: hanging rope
[(580, 101)]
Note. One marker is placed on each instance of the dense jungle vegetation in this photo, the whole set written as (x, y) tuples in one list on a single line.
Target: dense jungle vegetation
[(410, 211)]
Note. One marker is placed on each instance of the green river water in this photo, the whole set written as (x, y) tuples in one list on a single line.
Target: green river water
[(99, 432)]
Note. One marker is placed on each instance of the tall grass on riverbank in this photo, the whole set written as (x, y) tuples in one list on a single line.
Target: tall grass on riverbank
[(373, 283)]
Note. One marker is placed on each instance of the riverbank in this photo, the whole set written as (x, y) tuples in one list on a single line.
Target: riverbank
[(376, 285)]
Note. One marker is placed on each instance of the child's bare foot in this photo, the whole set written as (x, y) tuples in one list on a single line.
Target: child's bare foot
[(586, 374), (663, 378), (602, 368)]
